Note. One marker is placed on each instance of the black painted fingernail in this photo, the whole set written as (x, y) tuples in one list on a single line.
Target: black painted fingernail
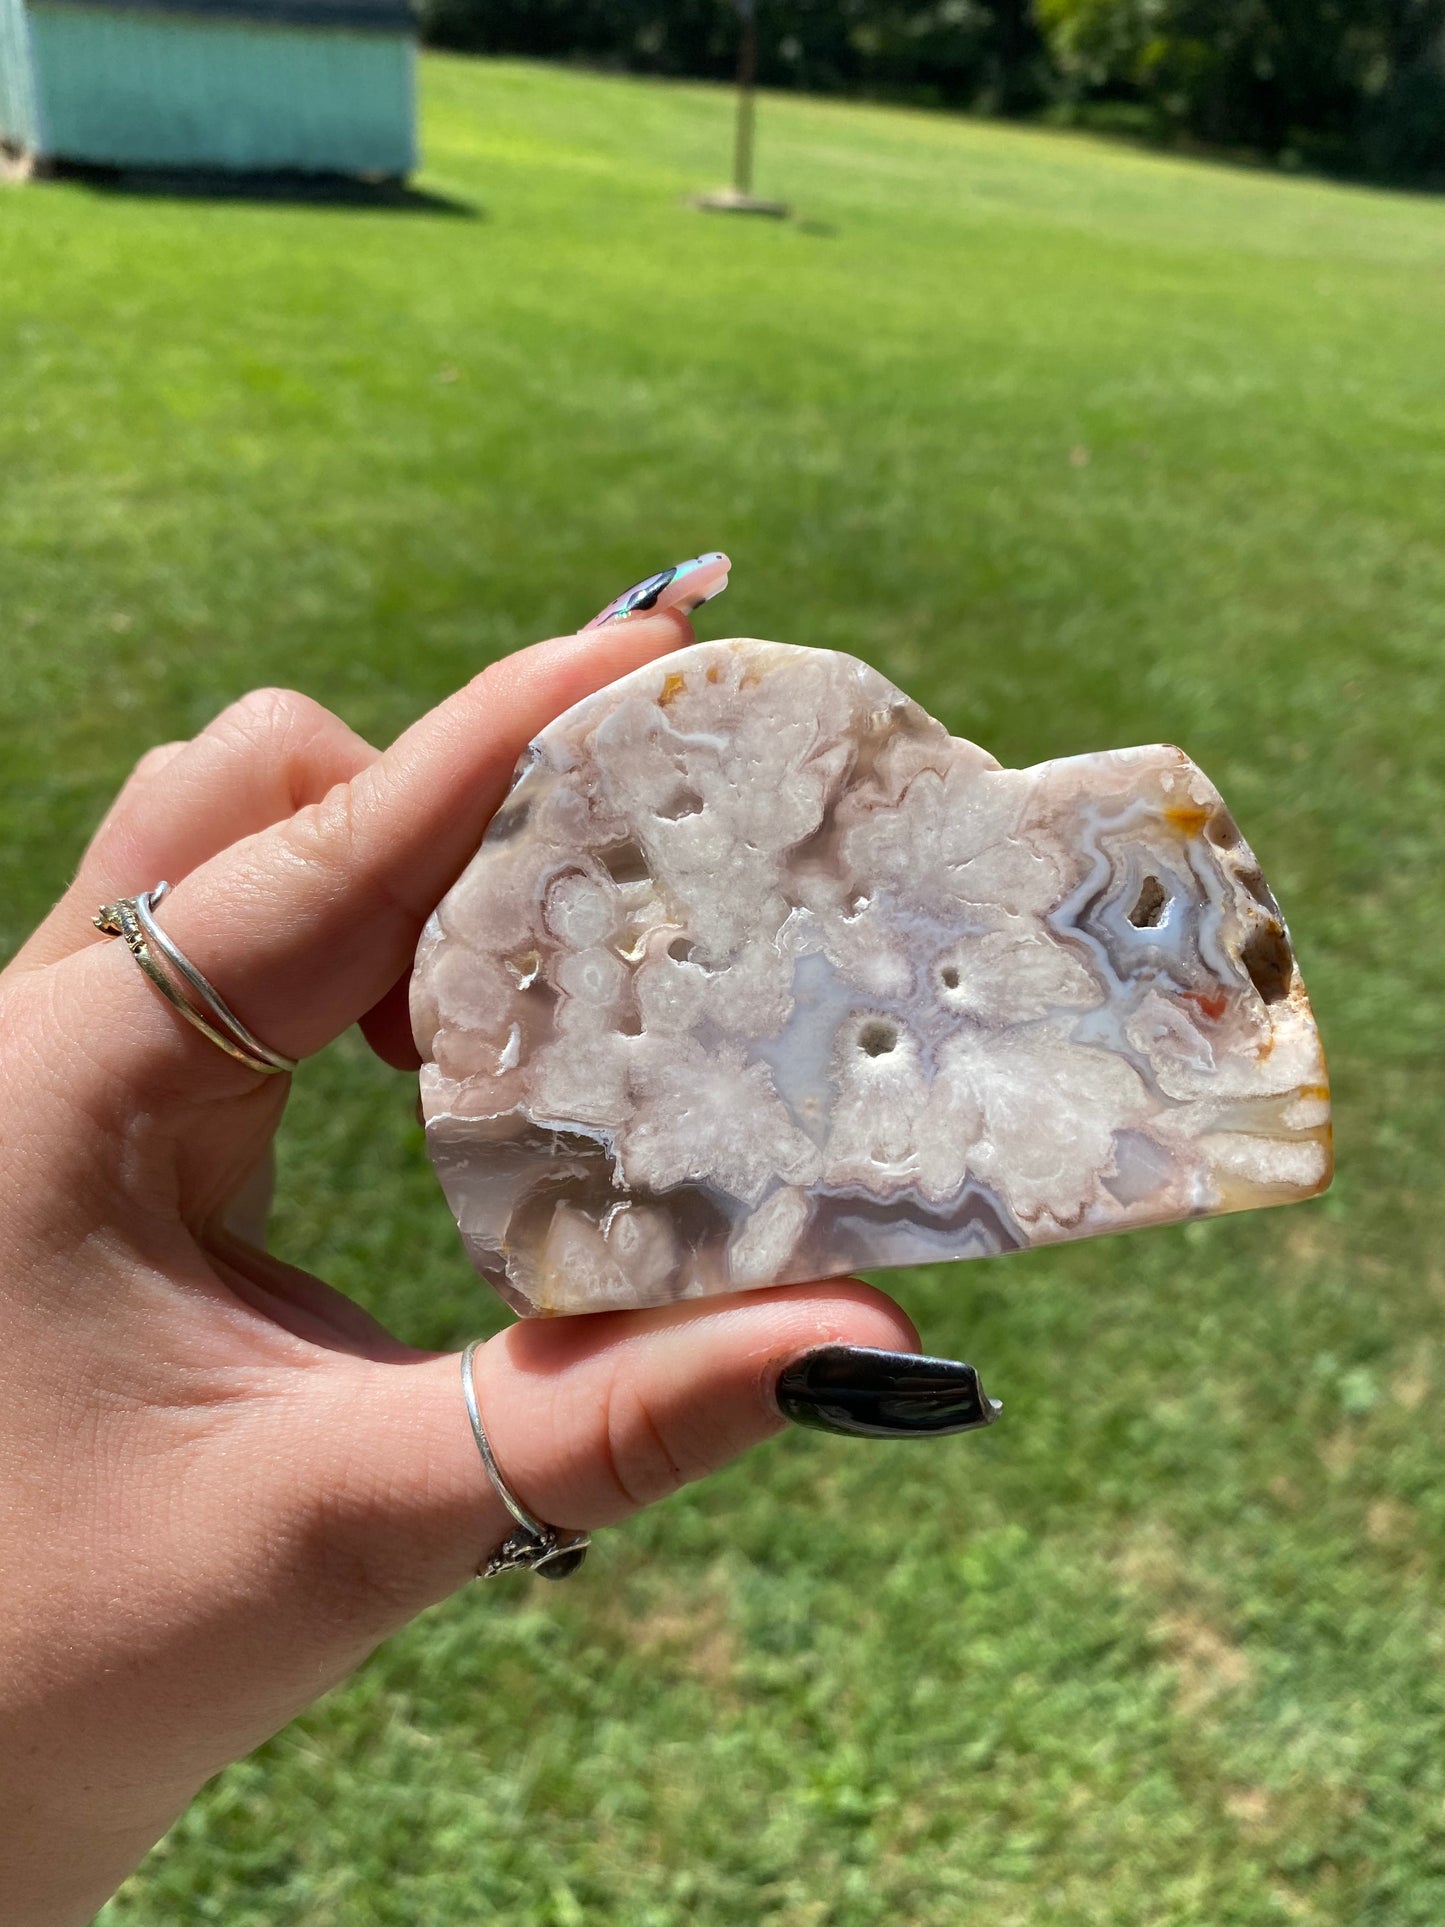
[(883, 1395)]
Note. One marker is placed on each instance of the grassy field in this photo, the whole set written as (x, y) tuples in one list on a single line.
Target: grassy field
[(1084, 448)]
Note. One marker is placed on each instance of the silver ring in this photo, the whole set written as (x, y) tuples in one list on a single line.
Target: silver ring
[(533, 1547), (194, 996)]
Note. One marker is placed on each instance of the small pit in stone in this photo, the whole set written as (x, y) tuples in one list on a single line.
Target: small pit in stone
[(682, 802), (682, 950), (625, 862), (1150, 905), (1222, 830), (1268, 959), (877, 1038), (949, 977)]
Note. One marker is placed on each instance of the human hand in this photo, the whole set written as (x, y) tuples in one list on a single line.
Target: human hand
[(224, 1484)]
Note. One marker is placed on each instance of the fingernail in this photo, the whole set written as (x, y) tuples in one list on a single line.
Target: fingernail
[(685, 586), (866, 1394)]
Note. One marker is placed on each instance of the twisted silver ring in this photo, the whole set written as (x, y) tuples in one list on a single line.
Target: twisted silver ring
[(533, 1547), (178, 980)]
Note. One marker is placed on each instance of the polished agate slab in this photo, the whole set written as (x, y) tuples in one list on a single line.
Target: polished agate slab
[(759, 975)]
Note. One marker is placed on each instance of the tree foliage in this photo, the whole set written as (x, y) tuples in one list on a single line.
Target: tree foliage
[(1355, 85), (957, 53), (1345, 83)]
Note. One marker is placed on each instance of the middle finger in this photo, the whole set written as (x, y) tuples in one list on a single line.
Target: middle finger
[(263, 758)]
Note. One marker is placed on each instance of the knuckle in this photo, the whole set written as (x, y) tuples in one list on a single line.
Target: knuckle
[(322, 836), (155, 760), (640, 1451), (261, 712), (296, 740), (336, 840), (273, 720)]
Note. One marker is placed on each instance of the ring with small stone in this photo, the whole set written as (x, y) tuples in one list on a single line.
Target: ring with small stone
[(181, 984), (533, 1547)]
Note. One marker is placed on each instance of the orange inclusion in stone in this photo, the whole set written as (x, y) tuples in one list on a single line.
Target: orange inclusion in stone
[(1213, 1004), (1188, 818)]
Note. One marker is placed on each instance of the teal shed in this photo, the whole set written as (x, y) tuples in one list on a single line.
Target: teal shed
[(256, 86)]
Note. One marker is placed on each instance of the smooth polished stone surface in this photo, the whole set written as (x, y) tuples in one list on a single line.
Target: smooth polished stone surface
[(759, 975)]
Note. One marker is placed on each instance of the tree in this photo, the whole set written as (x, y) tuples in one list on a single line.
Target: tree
[(1343, 83)]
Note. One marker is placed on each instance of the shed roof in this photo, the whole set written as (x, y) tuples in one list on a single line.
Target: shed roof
[(375, 16)]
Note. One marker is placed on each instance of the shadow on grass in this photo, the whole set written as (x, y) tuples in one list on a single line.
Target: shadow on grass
[(290, 189)]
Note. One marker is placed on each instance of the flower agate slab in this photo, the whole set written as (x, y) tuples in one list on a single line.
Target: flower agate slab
[(760, 975)]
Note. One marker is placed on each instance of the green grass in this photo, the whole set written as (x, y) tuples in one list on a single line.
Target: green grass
[(1084, 448)]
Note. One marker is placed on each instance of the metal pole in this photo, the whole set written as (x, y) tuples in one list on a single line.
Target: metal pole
[(747, 83), (739, 198)]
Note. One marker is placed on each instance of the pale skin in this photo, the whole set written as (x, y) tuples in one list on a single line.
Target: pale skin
[(223, 1483)]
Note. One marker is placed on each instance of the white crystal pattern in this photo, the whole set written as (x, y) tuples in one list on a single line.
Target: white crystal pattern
[(760, 975)]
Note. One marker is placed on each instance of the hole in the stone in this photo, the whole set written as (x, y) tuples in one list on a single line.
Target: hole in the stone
[(877, 1038), (1149, 908), (1267, 957), (682, 802), (1251, 879), (625, 862), (858, 905), (1221, 829), (629, 1024), (949, 977), (682, 950)]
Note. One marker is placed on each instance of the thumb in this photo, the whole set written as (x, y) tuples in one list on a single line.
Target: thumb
[(589, 1419)]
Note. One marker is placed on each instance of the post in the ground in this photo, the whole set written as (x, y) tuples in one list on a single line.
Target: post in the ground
[(747, 100)]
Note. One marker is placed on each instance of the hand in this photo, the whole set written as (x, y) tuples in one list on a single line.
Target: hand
[(224, 1484)]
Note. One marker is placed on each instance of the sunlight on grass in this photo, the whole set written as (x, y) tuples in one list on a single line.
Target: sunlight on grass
[(1084, 448)]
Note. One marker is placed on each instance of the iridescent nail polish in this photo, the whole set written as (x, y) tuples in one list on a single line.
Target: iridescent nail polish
[(685, 586)]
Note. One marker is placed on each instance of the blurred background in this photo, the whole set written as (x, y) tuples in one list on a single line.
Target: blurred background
[(1083, 442), (1350, 85)]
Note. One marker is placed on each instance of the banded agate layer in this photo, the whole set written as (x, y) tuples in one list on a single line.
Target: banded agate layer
[(759, 975)]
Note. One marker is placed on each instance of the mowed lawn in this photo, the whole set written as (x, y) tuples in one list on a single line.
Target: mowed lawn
[(1084, 448)]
